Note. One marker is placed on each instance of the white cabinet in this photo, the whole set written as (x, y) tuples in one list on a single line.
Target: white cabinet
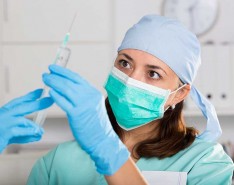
[(129, 12), (33, 30), (1, 66), (224, 74), (215, 78), (1, 82), (37, 21), (93, 62), (25, 64), (23, 68)]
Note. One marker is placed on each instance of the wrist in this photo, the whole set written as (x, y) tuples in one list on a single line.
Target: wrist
[(109, 155)]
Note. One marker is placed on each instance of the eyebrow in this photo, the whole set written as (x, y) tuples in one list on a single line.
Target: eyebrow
[(127, 56), (156, 67)]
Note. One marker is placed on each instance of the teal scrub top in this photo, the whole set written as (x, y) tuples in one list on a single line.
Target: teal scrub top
[(206, 164)]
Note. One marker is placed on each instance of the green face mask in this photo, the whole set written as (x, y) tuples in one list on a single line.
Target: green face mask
[(133, 102)]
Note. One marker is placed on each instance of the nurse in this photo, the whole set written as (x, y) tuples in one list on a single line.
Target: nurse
[(140, 125), (14, 127)]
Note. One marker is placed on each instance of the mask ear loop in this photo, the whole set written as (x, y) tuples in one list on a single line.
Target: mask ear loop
[(178, 89), (173, 106)]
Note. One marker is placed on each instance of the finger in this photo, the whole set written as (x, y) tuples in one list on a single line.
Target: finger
[(63, 86), (24, 135), (14, 121), (23, 128), (24, 131), (24, 123), (25, 139), (14, 126), (30, 107), (60, 100), (32, 96), (61, 71)]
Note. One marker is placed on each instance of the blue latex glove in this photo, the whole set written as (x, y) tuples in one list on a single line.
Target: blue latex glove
[(88, 118), (14, 127)]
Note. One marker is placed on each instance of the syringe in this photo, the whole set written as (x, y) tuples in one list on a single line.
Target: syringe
[(61, 59)]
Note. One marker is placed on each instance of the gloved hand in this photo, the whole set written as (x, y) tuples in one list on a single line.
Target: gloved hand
[(88, 118), (14, 128)]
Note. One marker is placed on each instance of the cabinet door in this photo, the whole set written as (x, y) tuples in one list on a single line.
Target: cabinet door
[(1, 66), (224, 82), (93, 62), (2, 83), (24, 65), (214, 78), (129, 12), (23, 68), (37, 21)]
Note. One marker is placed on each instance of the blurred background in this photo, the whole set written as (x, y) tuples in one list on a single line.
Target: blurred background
[(31, 31)]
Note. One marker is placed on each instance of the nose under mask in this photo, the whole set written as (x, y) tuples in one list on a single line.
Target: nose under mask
[(133, 102)]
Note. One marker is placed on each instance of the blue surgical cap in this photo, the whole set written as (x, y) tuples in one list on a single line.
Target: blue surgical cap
[(168, 40)]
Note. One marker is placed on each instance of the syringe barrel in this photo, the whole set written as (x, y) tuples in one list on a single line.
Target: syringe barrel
[(62, 58)]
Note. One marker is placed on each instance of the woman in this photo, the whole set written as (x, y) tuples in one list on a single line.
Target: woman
[(152, 75)]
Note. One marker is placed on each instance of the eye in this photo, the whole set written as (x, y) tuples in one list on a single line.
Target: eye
[(124, 64), (154, 75)]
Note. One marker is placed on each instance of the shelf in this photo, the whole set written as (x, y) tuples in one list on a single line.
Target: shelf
[(223, 112)]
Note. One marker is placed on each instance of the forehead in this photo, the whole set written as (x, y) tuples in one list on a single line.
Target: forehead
[(143, 58)]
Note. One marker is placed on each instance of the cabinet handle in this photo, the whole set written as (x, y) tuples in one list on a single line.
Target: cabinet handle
[(5, 10), (7, 80)]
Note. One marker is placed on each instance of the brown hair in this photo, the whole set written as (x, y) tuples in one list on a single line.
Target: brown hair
[(173, 136)]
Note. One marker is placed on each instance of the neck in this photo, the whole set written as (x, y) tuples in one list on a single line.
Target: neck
[(137, 135)]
